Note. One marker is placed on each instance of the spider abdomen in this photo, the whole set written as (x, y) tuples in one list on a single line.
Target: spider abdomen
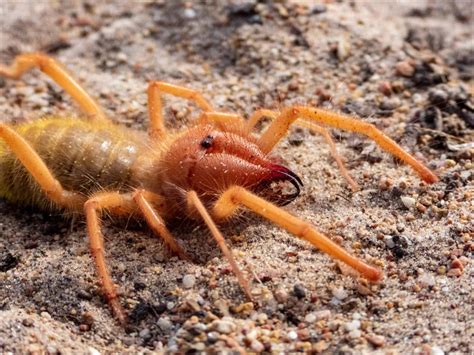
[(84, 157)]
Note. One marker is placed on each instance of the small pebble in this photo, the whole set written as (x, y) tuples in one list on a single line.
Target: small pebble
[(164, 324), (257, 346), (355, 334), (408, 201), (292, 335), (145, 333), (353, 325), (189, 13), (404, 68), (299, 291), (339, 293), (388, 239), (223, 326), (310, 318), (281, 295), (376, 340), (27, 322), (436, 350), (323, 315), (189, 281)]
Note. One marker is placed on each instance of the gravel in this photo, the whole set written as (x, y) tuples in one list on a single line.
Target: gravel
[(411, 77)]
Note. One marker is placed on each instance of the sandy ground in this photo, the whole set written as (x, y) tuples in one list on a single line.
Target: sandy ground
[(407, 67)]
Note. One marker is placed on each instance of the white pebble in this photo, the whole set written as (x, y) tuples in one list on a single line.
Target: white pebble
[(356, 315), (322, 315), (164, 324), (93, 351), (223, 326), (339, 293), (408, 201), (426, 280), (189, 13), (388, 239), (310, 318), (189, 281), (436, 350), (292, 335), (257, 346), (353, 325), (355, 334)]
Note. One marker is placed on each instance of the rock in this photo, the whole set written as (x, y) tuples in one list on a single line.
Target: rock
[(299, 291), (408, 201), (257, 346), (339, 293), (223, 326), (189, 281), (404, 68), (376, 340), (164, 324)]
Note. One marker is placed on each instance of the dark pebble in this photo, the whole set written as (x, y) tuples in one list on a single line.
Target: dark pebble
[(299, 291), (7, 261), (141, 311), (438, 97), (318, 9), (83, 294), (27, 322), (138, 286)]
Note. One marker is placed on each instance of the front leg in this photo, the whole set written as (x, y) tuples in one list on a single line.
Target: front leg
[(157, 128), (235, 196), (279, 127)]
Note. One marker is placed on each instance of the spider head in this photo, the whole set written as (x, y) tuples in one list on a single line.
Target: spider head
[(209, 161)]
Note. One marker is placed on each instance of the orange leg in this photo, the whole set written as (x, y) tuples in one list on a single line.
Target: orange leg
[(195, 203), (117, 203), (281, 124), (145, 200), (55, 71), (327, 136), (235, 196), (38, 169), (259, 114), (224, 121), (155, 105)]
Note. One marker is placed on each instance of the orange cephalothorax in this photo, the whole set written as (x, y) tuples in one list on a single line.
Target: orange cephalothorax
[(209, 161)]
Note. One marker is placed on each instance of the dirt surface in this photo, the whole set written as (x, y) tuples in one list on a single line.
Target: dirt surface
[(406, 67)]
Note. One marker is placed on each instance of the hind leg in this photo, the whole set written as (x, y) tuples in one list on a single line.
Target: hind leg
[(52, 68)]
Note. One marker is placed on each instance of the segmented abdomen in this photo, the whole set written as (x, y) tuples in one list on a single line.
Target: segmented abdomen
[(84, 157)]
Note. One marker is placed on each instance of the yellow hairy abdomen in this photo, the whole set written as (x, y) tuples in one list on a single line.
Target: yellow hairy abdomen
[(84, 156)]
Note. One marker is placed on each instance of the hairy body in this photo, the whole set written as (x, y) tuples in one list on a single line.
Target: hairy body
[(206, 171), (84, 157)]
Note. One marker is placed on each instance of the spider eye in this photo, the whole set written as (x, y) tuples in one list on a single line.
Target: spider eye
[(207, 142)]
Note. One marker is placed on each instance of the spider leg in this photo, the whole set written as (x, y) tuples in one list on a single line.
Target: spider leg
[(117, 204), (327, 136), (225, 121), (38, 169), (155, 90), (52, 68), (230, 200), (280, 125), (195, 203), (259, 114), (145, 200)]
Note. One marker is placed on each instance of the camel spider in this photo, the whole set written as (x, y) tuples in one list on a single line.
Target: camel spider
[(206, 171)]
